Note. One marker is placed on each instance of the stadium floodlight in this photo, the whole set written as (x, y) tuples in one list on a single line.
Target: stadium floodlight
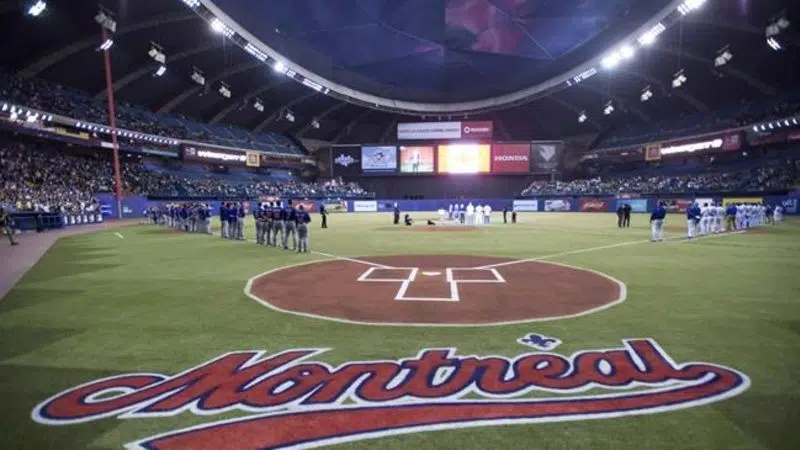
[(649, 36), (197, 76), (37, 8), (225, 90), (315, 124), (627, 51), (647, 94), (289, 116), (611, 60), (775, 27), (192, 3), (279, 67), (5, 107), (218, 27), (679, 79), (794, 121), (689, 6), (582, 117), (157, 53), (258, 105), (106, 20), (609, 108), (250, 48), (160, 71), (755, 128), (723, 56), (106, 45), (774, 44)]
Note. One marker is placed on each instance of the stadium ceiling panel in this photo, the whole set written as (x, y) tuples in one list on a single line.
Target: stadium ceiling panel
[(411, 52)]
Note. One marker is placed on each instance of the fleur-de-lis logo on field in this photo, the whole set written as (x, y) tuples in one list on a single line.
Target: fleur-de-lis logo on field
[(539, 341)]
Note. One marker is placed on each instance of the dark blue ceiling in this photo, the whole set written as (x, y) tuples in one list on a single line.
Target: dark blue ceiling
[(440, 50)]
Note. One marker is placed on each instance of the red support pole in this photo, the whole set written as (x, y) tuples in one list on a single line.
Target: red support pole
[(112, 122)]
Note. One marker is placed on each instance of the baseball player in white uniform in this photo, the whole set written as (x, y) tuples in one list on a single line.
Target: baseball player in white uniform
[(778, 215), (718, 219), (705, 215), (487, 214), (470, 214), (478, 218)]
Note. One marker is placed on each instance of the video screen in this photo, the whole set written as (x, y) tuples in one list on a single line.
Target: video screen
[(464, 158), (379, 159), (416, 159)]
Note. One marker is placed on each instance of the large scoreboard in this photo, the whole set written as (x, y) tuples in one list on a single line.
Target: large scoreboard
[(445, 148)]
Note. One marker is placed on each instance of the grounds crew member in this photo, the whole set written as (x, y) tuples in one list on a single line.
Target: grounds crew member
[(324, 213), (6, 226)]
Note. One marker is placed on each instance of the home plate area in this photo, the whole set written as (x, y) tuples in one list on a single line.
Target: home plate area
[(431, 285), (435, 290)]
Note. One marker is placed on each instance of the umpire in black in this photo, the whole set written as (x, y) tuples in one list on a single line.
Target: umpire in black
[(324, 214), (396, 214)]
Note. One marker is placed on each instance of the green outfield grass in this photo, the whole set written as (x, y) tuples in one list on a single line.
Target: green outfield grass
[(160, 301)]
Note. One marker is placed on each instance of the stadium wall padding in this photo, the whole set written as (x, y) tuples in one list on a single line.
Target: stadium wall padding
[(133, 207)]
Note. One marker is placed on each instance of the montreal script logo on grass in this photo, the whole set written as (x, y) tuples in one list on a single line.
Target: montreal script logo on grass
[(299, 403)]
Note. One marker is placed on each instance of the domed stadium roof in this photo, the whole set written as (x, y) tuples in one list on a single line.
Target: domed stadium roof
[(440, 51)]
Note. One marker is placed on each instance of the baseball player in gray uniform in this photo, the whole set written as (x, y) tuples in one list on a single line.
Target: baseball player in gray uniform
[(268, 221), (278, 227), (303, 219), (291, 227), (258, 215)]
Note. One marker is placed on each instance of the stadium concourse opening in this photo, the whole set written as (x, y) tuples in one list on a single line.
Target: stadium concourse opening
[(436, 290)]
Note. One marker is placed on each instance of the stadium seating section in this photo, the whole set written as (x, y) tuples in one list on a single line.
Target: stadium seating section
[(38, 175), (738, 115), (55, 99)]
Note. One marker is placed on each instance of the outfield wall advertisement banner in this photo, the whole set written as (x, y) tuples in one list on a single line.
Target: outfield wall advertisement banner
[(335, 206), (557, 205), (546, 156), (365, 206), (638, 205), (738, 200), (379, 159), (417, 159), (345, 161), (526, 205), (511, 158), (481, 130), (592, 205), (677, 204)]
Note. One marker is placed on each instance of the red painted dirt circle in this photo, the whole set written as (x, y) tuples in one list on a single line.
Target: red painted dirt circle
[(436, 290)]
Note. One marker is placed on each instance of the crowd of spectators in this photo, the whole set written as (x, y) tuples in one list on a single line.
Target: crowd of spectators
[(40, 177), (761, 179), (55, 99)]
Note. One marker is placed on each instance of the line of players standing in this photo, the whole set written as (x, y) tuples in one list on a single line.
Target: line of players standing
[(276, 224), (714, 218)]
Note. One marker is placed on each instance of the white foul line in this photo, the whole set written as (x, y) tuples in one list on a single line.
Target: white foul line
[(603, 247), (353, 260)]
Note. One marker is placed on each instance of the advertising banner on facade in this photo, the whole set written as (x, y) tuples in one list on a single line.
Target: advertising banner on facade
[(197, 153), (346, 161), (652, 152), (478, 130), (592, 205), (365, 206), (464, 158), (428, 130), (638, 205), (481, 130), (546, 156), (676, 204), (379, 159), (526, 205), (511, 158), (557, 205)]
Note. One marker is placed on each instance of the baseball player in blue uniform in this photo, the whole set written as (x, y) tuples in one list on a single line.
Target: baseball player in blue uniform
[(657, 222)]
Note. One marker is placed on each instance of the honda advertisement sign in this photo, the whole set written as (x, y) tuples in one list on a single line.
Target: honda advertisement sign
[(477, 130), (346, 161), (546, 156), (511, 158)]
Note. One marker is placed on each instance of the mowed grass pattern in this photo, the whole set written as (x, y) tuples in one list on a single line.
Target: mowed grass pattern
[(161, 301)]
